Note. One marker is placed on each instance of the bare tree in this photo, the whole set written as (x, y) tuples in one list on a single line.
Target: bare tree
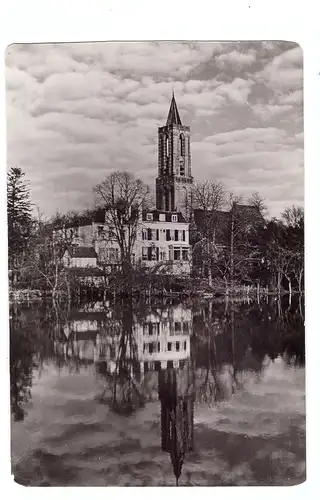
[(293, 245), (242, 248), (123, 198), (293, 216), (45, 262), (258, 202), (209, 197)]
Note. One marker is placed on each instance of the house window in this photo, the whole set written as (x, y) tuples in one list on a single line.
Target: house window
[(154, 254), (154, 234), (185, 346), (145, 329), (155, 328), (177, 346), (174, 218), (144, 253), (113, 254), (176, 254), (163, 254), (169, 346), (177, 327), (168, 235), (149, 217), (149, 234), (185, 254), (162, 217), (183, 236), (176, 235), (144, 234), (185, 327)]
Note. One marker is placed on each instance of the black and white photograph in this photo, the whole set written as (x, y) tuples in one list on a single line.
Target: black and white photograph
[(155, 210)]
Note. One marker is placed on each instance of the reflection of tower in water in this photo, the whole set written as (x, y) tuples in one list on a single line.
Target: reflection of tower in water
[(176, 393), (128, 352), (163, 340)]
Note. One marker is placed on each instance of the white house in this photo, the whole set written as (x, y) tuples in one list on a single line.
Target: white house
[(164, 239), (80, 257)]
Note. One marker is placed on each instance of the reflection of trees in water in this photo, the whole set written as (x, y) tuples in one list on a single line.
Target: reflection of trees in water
[(123, 392), (232, 339), (21, 365), (229, 340), (28, 349)]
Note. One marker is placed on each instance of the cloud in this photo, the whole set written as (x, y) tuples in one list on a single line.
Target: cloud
[(294, 97), (266, 112), (284, 72), (255, 135), (75, 112), (237, 58)]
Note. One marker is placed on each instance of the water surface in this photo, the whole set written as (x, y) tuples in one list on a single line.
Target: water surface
[(194, 393)]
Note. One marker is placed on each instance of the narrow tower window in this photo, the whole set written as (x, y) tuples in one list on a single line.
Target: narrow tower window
[(181, 145), (167, 146)]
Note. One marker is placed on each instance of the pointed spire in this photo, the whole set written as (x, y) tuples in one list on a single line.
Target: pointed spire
[(173, 116)]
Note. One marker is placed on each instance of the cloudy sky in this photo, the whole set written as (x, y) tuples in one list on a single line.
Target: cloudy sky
[(78, 111)]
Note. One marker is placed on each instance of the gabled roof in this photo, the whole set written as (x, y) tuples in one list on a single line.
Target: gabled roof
[(218, 216), (246, 209), (173, 116), (156, 216), (86, 252)]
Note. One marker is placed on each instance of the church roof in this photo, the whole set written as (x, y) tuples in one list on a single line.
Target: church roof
[(173, 116)]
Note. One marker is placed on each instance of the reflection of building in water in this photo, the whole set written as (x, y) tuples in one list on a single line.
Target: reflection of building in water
[(176, 393), (176, 396), (83, 331), (160, 342), (163, 344), (163, 338)]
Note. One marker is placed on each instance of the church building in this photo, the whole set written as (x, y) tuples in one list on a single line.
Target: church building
[(163, 234), (174, 181)]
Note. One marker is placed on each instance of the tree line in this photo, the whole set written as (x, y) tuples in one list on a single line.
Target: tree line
[(233, 241)]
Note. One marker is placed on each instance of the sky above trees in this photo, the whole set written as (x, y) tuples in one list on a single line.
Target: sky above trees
[(76, 112)]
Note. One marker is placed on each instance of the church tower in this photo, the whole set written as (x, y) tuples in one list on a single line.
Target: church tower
[(174, 181)]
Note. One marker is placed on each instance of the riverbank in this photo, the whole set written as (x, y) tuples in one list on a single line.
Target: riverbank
[(241, 293), (28, 295)]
